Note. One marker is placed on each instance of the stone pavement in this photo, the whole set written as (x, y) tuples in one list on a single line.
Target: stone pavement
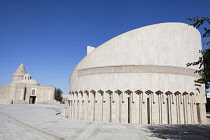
[(14, 130), (41, 122)]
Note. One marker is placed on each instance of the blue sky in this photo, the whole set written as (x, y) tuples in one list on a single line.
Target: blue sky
[(50, 36)]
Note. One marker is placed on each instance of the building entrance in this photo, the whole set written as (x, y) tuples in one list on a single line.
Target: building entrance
[(32, 99)]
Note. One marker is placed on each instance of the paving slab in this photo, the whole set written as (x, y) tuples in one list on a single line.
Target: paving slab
[(40, 122)]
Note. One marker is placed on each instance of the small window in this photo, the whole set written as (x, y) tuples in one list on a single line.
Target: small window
[(33, 91)]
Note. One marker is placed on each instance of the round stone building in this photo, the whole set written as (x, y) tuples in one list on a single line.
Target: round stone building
[(141, 77)]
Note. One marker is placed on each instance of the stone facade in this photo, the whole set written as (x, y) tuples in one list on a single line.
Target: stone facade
[(141, 77), (65, 98), (24, 90)]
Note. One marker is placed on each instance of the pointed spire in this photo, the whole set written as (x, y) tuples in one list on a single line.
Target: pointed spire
[(20, 70)]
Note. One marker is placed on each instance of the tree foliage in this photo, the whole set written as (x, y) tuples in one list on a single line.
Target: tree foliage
[(204, 60), (58, 94)]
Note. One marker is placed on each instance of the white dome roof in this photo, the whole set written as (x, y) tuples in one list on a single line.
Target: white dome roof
[(29, 82)]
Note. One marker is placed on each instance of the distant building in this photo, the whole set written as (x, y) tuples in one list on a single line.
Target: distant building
[(141, 77), (65, 98), (24, 90)]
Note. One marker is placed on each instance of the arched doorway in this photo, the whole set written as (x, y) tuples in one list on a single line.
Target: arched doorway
[(32, 99)]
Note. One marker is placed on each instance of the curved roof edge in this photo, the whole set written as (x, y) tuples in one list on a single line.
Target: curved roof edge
[(148, 26), (141, 28)]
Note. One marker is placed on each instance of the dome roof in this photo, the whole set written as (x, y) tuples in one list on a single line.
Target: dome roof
[(27, 75), (164, 44), (144, 58), (28, 82)]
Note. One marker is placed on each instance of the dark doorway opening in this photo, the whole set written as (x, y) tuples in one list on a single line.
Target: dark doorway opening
[(32, 99), (148, 110), (129, 110), (208, 105), (24, 96)]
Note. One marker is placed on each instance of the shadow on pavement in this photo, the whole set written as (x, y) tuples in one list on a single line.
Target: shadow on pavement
[(181, 132)]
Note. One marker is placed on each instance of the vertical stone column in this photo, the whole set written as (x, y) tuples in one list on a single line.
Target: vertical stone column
[(92, 104), (191, 108), (73, 106), (70, 109), (99, 108), (159, 103), (176, 97), (81, 105), (164, 109), (184, 108), (70, 106), (86, 95), (203, 104), (169, 107), (124, 114), (144, 108), (188, 109), (127, 118), (195, 110), (149, 106), (155, 109), (119, 100), (76, 105), (114, 111), (110, 105), (106, 107), (135, 109), (178, 106), (182, 121), (140, 106), (173, 109)]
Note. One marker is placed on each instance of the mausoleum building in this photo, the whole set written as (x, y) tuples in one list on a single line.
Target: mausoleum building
[(24, 90), (141, 77)]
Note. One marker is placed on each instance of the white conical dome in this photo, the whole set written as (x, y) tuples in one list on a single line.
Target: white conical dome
[(20, 70)]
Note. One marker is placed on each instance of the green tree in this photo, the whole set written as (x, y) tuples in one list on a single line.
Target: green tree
[(204, 60), (58, 94)]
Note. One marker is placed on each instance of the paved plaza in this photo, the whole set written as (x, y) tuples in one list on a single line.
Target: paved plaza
[(24, 122)]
